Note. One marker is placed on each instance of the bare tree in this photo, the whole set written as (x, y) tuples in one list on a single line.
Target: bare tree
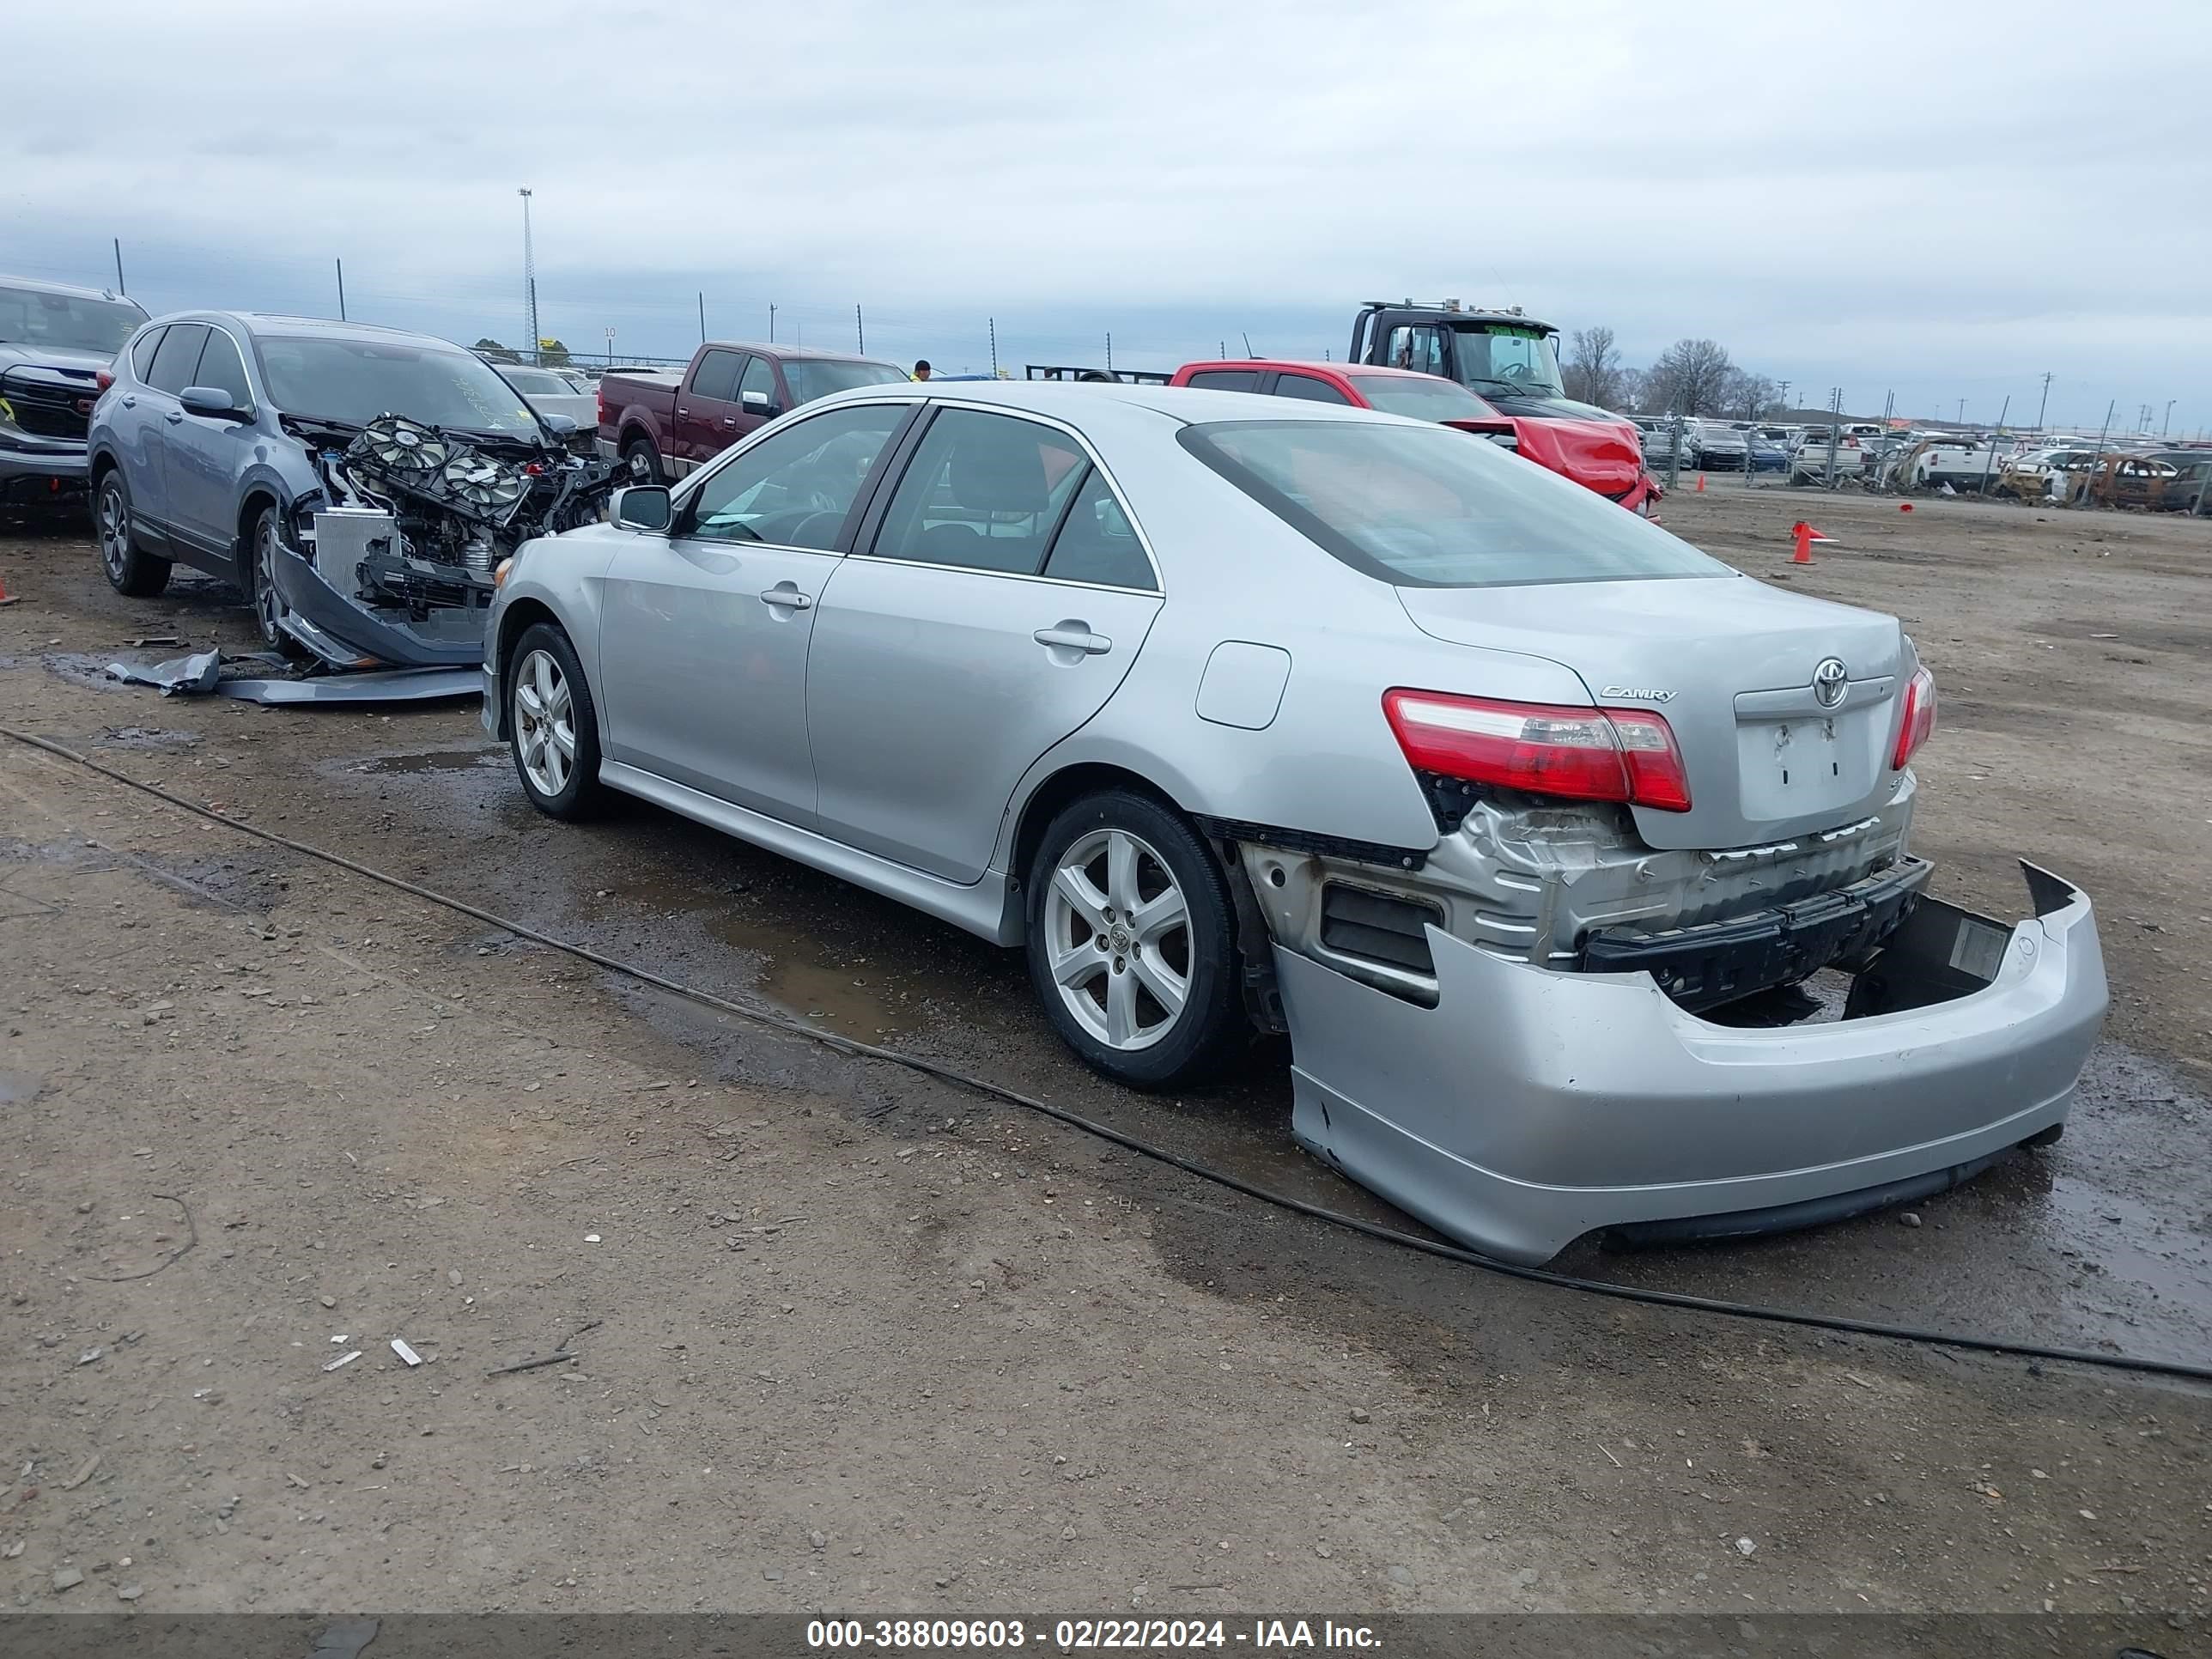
[(1632, 390), (1746, 396), (1691, 377), (1593, 366)]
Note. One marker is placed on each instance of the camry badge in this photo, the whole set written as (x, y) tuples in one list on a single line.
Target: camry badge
[(1830, 680), (1640, 693)]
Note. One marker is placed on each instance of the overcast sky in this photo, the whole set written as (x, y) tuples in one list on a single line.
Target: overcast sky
[(1944, 201)]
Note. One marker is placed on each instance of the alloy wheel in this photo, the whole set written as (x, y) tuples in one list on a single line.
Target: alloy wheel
[(269, 606), (1118, 939), (114, 532), (544, 728)]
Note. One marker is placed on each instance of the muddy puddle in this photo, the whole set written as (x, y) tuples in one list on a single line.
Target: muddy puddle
[(429, 760)]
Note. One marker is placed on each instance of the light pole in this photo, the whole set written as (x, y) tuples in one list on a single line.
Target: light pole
[(2044, 405), (611, 348), (2165, 428), (529, 278)]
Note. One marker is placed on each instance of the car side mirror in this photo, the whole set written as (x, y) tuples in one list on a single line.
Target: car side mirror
[(759, 402), (213, 402), (560, 425), (641, 506)]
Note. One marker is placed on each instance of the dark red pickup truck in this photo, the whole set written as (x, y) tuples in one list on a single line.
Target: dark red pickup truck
[(662, 422)]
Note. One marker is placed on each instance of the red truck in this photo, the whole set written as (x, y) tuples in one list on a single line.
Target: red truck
[(662, 422)]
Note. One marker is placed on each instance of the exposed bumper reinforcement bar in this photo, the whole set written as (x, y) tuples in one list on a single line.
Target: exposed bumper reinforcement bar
[(1530, 1107)]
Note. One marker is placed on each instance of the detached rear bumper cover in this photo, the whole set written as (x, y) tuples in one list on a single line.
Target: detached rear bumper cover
[(1529, 1107)]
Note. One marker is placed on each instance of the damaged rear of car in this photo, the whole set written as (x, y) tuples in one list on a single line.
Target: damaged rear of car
[(360, 485)]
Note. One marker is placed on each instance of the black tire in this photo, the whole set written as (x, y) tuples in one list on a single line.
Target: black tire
[(130, 571), (1193, 1043), (259, 581), (576, 792), (643, 461)]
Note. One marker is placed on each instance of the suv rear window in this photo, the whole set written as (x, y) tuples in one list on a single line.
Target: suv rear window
[(1428, 506)]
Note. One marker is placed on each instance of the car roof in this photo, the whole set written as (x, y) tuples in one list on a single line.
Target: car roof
[(1082, 402), (69, 290), (268, 323), (1308, 365)]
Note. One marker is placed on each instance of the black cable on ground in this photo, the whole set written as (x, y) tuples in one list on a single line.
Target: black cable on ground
[(767, 1017)]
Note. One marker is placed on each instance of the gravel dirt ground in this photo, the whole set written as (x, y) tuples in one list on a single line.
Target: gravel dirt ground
[(848, 1339)]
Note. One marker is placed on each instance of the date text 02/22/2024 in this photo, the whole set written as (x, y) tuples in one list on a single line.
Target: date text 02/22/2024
[(1082, 1635)]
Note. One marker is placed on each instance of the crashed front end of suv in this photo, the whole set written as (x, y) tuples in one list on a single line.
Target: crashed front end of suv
[(393, 562)]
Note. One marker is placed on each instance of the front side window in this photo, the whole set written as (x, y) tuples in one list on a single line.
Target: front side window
[(983, 492), (1427, 398), (221, 366), (1421, 507), (794, 488), (69, 322), (1421, 350), (1311, 387), (353, 382), (810, 378), (177, 356), (757, 389)]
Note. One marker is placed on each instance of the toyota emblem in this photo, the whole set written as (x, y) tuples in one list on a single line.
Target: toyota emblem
[(1830, 681)]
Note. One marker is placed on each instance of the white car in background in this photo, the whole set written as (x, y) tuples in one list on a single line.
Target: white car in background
[(555, 392)]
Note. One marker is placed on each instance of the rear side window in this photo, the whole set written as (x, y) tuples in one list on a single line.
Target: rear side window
[(1096, 543), (983, 492), (177, 356), (142, 355), (1313, 390), (1421, 507), (1226, 379), (221, 366), (718, 375)]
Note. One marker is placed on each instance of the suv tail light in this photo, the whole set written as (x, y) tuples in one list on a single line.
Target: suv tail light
[(1580, 754), (601, 393), (103, 377), (1919, 721)]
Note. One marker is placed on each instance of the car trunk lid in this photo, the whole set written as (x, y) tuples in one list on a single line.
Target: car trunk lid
[(1731, 664)]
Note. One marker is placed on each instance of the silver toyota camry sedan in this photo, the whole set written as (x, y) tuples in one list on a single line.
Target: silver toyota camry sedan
[(1575, 865)]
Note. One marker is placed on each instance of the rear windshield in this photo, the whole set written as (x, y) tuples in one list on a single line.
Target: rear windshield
[(356, 380), (809, 380), (71, 322), (1431, 506), (1422, 397)]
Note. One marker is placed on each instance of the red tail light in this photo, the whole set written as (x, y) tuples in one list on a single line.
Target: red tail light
[(103, 377), (1918, 723), (1581, 754), (600, 392)]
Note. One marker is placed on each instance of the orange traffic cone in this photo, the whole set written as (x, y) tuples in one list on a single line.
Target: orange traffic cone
[(1805, 536), (1701, 483), (6, 598)]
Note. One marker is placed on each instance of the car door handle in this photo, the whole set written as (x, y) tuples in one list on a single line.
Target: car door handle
[(131, 403), (1074, 637), (729, 420), (172, 416), (681, 410), (784, 597)]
